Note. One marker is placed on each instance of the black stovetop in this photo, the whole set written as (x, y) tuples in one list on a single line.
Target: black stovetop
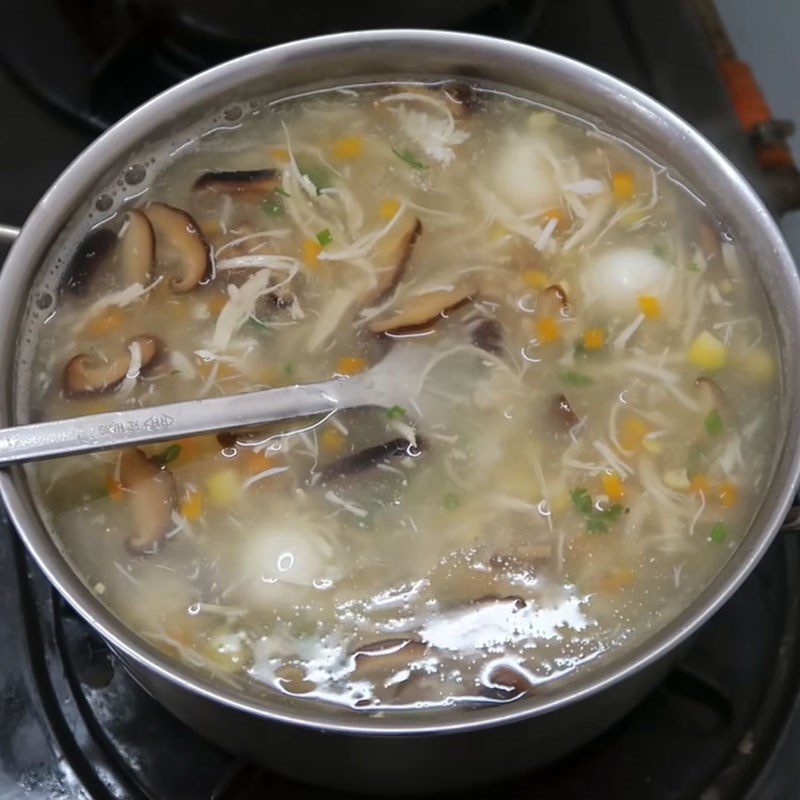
[(724, 725)]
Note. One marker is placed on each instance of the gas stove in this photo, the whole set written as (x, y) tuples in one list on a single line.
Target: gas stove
[(724, 725)]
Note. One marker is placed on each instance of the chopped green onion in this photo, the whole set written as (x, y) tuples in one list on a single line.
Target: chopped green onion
[(718, 532), (660, 250), (272, 205), (582, 500), (693, 266), (288, 369), (410, 158), (395, 412), (451, 502), (281, 191), (572, 378), (713, 423), (168, 454), (580, 349), (324, 237)]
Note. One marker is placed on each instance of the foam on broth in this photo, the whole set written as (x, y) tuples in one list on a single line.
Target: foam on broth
[(588, 447)]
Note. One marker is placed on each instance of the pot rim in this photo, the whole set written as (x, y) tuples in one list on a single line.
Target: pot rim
[(125, 135)]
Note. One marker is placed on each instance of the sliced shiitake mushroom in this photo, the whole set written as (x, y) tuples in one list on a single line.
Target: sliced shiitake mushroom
[(563, 414), (137, 249), (388, 655), (423, 309), (369, 458), (553, 302), (249, 184), (150, 489), (399, 259), (177, 230), (85, 263), (505, 682), (708, 240), (87, 375), (488, 335), (462, 97)]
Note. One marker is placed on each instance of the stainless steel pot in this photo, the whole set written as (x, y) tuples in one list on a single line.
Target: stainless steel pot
[(412, 752)]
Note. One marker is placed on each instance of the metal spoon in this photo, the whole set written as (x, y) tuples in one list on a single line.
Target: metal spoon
[(393, 381)]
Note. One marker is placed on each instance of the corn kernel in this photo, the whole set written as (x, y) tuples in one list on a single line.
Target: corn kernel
[(700, 483), (115, 490), (498, 231), (594, 338), (622, 185), (612, 486), (649, 306), (347, 147), (279, 154), (727, 494), (388, 208), (331, 440), (547, 330), (535, 278), (350, 365), (707, 352), (633, 431), (108, 320), (191, 507), (223, 487), (617, 580), (758, 365), (309, 252)]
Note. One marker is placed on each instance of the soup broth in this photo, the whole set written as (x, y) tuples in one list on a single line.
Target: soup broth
[(586, 447)]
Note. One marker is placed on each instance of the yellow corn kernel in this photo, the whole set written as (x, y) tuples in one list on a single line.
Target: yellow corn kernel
[(652, 444), (594, 338), (559, 502), (554, 213), (547, 330), (535, 278), (279, 154), (223, 487), (633, 431), (331, 440), (217, 302), (114, 489), (727, 494), (649, 306), (256, 462), (191, 507), (758, 365), (700, 483), (498, 231), (350, 365), (725, 286), (622, 185), (612, 486), (347, 147), (309, 252), (107, 321), (388, 208), (707, 352)]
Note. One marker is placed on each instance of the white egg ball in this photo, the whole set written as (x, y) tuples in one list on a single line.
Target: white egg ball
[(522, 177), (614, 281)]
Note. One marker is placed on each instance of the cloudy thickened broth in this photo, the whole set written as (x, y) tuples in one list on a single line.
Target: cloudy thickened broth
[(588, 443)]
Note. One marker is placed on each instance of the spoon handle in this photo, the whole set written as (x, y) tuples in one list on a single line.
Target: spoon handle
[(95, 432)]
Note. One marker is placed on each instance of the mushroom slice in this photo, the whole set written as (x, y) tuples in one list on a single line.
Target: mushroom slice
[(708, 240), (137, 249), (151, 493), (388, 655), (505, 682), (248, 184), (178, 230), (462, 98), (399, 260), (563, 414), (370, 457), (422, 309), (87, 375), (89, 256), (553, 302), (488, 335)]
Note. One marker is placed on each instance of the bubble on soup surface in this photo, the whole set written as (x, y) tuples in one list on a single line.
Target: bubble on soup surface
[(104, 202), (233, 113), (135, 174), (44, 300)]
